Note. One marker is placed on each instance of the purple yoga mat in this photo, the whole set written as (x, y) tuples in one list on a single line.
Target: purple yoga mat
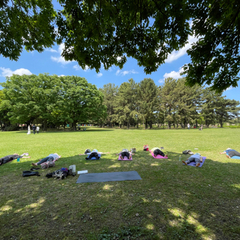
[(193, 164)]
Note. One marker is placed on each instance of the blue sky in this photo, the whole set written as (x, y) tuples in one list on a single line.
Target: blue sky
[(50, 61)]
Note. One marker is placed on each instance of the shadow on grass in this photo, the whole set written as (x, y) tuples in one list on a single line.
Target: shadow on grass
[(171, 201)]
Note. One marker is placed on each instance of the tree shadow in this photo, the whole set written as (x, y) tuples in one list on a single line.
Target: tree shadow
[(171, 201)]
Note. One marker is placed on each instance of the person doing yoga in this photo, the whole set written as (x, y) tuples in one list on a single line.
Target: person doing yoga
[(156, 151), (197, 158), (51, 157), (12, 157), (230, 153), (125, 153)]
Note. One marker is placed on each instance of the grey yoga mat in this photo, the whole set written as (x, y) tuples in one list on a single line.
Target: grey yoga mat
[(108, 177)]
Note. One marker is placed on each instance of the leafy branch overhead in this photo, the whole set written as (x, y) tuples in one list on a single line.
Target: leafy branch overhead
[(107, 32)]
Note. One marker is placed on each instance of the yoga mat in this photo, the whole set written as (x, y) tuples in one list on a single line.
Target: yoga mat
[(124, 159), (108, 177), (158, 156), (234, 157), (193, 164)]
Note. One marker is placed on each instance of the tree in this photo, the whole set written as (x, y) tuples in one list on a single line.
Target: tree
[(4, 109), (126, 99), (107, 32), (216, 56), (52, 99), (147, 95), (81, 101), (31, 97), (168, 100), (225, 109), (110, 92)]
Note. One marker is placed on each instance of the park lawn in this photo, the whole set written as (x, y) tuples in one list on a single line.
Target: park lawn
[(171, 201)]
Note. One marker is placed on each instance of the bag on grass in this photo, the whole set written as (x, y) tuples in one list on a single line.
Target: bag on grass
[(30, 173), (48, 164)]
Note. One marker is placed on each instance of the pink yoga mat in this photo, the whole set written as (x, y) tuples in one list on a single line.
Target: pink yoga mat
[(158, 156), (124, 159)]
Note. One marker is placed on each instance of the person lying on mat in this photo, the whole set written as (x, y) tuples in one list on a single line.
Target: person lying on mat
[(125, 153), (12, 157), (231, 153), (197, 158), (156, 151), (51, 157), (93, 153)]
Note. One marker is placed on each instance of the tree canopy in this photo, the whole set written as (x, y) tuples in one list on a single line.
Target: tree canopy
[(108, 31)]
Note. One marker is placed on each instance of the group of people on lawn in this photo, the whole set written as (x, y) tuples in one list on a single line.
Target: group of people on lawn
[(197, 158)]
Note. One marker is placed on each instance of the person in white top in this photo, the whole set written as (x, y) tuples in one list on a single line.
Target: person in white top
[(37, 129)]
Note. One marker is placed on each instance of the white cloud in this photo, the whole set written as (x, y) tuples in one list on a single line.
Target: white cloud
[(177, 54), (7, 72), (99, 74), (60, 59), (173, 74), (61, 75), (229, 88), (77, 68), (51, 50), (123, 73)]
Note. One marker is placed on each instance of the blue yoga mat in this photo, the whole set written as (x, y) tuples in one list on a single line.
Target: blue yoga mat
[(108, 177), (235, 157)]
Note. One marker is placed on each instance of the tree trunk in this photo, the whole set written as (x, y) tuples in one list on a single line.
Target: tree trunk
[(146, 126), (150, 125)]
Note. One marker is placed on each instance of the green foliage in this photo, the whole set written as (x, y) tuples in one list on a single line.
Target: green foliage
[(107, 32), (27, 23), (215, 57), (52, 99)]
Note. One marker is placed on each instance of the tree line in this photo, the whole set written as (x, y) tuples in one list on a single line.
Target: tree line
[(57, 101), (173, 103)]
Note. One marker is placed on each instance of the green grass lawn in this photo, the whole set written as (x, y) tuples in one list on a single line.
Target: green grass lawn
[(171, 201)]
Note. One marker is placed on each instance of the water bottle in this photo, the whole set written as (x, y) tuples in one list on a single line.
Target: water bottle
[(180, 157), (18, 159)]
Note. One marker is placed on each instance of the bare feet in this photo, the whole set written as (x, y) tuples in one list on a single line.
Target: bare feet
[(198, 164), (34, 164), (184, 162), (227, 156)]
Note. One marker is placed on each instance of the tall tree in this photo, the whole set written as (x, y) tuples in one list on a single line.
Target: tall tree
[(81, 101), (126, 100), (148, 101), (169, 100), (31, 97), (110, 92), (226, 109), (4, 109)]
